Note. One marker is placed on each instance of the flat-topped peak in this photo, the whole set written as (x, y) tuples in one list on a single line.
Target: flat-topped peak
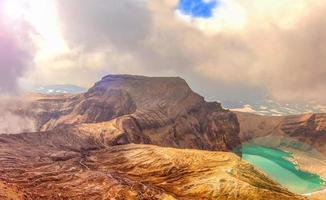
[(138, 77), (147, 91)]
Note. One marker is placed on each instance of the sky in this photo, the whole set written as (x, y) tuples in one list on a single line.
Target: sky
[(197, 8), (232, 49)]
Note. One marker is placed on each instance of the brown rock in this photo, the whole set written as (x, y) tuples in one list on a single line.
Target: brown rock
[(309, 130), (149, 110)]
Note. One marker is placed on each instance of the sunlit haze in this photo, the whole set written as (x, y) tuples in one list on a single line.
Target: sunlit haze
[(42, 16), (214, 44)]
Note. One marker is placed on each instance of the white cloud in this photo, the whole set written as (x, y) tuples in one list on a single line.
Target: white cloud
[(277, 46)]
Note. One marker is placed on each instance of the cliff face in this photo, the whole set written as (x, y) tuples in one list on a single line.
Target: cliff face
[(303, 135), (138, 109), (308, 129), (61, 165)]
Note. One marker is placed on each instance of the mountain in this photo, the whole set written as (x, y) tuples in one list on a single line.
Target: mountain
[(270, 107), (59, 89), (150, 110), (104, 144)]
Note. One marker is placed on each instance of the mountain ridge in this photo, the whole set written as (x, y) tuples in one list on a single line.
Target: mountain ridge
[(156, 110), (129, 137)]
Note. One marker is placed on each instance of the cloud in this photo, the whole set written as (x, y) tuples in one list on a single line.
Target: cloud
[(275, 46), (16, 51), (14, 124), (11, 122), (97, 23)]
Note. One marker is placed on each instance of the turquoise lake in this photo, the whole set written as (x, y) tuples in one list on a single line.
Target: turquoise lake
[(275, 163)]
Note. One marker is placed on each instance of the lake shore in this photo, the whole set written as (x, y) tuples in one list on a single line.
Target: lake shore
[(323, 192), (310, 162), (318, 195), (283, 166)]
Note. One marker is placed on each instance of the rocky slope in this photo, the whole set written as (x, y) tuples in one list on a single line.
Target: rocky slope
[(308, 129), (150, 110), (318, 195), (271, 107), (60, 165), (303, 135)]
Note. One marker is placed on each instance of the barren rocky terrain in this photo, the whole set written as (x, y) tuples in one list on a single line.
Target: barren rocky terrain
[(101, 145), (61, 165)]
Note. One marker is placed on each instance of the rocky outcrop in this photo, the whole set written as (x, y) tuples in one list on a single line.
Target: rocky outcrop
[(309, 130), (60, 165), (150, 110), (302, 135)]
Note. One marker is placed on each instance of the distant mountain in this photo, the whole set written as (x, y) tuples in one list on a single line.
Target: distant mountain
[(271, 107), (60, 89)]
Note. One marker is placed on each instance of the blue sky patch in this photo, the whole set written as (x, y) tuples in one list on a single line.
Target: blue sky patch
[(197, 8)]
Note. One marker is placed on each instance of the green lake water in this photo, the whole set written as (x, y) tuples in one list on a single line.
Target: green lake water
[(275, 163)]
